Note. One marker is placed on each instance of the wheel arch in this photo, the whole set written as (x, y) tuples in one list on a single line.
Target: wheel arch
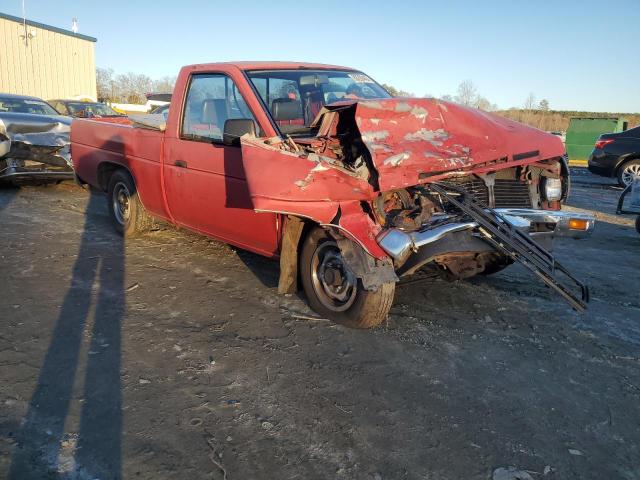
[(295, 230), (106, 169), (624, 160)]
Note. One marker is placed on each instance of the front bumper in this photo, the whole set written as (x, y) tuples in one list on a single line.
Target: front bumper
[(567, 224), (538, 223)]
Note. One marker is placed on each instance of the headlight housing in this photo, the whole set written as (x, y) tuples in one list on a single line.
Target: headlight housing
[(552, 189)]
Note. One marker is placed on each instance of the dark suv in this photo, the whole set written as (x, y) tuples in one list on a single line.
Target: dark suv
[(617, 155)]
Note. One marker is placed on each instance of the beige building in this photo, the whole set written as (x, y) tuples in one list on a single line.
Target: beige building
[(45, 61)]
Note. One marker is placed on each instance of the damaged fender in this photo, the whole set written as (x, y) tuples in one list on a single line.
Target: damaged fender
[(299, 183)]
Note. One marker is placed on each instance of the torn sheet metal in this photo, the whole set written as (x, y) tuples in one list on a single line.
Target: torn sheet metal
[(308, 185), (357, 225), (411, 141), (417, 140), (366, 147), (34, 145), (373, 272)]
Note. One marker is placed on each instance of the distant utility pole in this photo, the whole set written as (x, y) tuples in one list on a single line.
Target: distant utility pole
[(24, 24)]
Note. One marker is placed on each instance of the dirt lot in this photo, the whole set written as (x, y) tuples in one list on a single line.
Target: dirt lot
[(173, 357)]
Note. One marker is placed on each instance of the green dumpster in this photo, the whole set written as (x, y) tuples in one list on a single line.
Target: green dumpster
[(584, 131)]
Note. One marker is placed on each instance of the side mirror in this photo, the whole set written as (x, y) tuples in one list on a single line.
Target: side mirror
[(236, 127)]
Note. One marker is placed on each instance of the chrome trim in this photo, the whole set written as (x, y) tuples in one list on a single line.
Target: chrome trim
[(560, 218), (396, 243), (426, 237), (399, 244)]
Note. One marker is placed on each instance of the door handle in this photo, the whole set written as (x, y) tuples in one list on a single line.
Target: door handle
[(180, 163)]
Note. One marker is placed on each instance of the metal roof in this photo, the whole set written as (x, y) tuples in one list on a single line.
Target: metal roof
[(48, 27)]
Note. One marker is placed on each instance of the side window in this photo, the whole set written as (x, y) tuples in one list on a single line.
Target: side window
[(212, 99)]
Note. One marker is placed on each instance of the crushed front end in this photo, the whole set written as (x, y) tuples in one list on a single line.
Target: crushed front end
[(388, 175), (420, 227), (34, 148)]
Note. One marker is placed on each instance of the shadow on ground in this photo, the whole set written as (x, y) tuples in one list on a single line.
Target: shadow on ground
[(47, 447)]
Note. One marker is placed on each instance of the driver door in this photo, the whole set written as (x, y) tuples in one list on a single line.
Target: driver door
[(204, 179)]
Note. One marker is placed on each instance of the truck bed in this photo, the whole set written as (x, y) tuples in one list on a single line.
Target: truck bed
[(100, 143)]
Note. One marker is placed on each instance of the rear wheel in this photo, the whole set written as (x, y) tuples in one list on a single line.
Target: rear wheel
[(627, 171), (128, 215), (334, 291)]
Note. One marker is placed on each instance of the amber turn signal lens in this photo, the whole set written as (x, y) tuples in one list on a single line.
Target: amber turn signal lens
[(578, 224)]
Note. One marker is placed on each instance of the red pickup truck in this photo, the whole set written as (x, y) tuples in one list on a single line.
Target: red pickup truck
[(351, 189)]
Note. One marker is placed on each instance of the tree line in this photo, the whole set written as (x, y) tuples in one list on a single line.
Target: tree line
[(131, 88), (535, 113)]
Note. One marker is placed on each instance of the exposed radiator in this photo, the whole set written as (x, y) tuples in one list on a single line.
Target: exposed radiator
[(511, 193), (507, 193)]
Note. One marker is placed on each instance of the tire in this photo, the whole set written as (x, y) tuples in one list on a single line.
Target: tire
[(355, 307), (125, 209), (626, 172), (638, 224)]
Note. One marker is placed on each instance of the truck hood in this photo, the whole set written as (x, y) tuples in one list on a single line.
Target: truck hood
[(409, 142), (413, 140)]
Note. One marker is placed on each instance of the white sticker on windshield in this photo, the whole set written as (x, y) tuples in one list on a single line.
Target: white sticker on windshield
[(360, 78)]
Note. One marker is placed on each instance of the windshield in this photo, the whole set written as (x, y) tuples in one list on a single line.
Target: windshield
[(84, 109), (26, 105), (294, 97)]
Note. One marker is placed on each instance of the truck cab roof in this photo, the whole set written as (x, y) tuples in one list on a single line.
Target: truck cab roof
[(267, 65)]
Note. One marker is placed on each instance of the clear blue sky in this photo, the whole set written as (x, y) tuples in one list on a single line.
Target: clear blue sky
[(580, 54)]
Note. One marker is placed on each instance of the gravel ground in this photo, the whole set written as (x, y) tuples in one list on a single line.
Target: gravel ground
[(173, 357)]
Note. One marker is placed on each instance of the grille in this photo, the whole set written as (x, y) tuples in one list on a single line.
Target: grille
[(475, 186), (511, 193), (507, 193)]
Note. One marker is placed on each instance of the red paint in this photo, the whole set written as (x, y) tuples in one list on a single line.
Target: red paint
[(359, 227), (415, 141), (411, 141)]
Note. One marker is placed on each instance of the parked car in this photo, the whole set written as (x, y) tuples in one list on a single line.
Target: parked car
[(617, 155), (349, 195), (34, 141), (81, 109)]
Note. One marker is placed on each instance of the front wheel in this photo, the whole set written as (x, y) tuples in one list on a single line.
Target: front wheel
[(127, 212), (334, 291)]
